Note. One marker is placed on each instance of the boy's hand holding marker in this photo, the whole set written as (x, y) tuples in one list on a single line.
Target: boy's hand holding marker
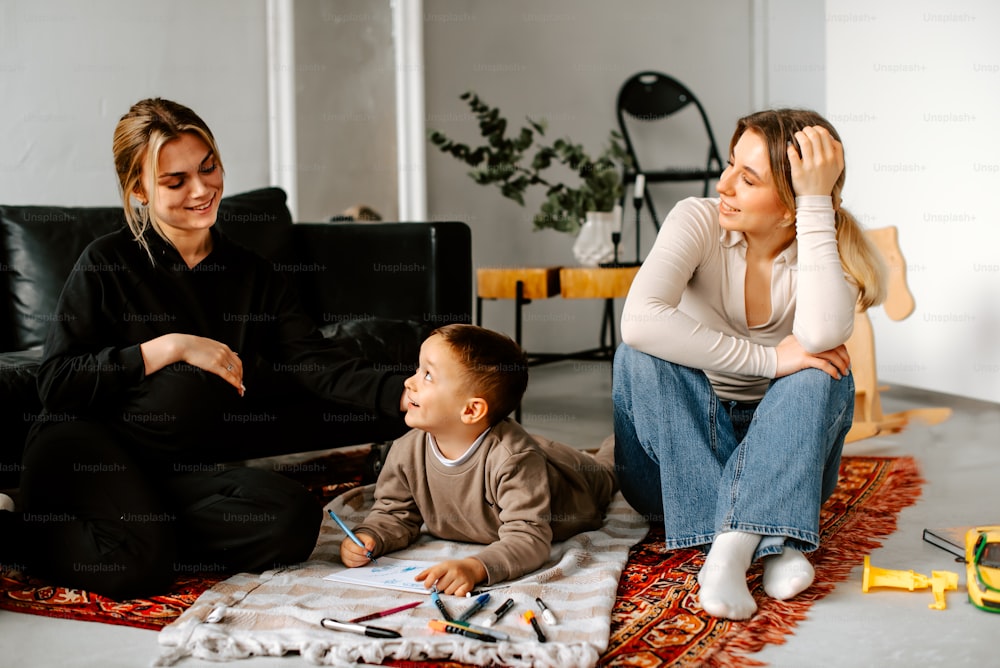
[(356, 549)]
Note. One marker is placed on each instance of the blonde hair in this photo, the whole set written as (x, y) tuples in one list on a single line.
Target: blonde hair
[(859, 257), (139, 136)]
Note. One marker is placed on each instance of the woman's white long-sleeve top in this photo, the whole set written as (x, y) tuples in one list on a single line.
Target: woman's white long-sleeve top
[(687, 303)]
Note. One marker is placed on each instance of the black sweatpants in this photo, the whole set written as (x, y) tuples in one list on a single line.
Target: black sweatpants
[(96, 517)]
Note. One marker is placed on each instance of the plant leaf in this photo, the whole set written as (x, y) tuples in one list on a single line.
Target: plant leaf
[(518, 163)]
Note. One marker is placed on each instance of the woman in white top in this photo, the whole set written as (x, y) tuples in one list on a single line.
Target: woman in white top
[(732, 387)]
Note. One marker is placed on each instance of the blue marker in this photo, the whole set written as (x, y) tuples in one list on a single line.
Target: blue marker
[(351, 535), (474, 608), (436, 598)]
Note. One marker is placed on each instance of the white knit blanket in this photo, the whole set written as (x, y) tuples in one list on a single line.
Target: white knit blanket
[(278, 612)]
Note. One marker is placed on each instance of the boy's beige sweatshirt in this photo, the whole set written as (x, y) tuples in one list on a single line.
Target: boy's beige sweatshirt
[(515, 495)]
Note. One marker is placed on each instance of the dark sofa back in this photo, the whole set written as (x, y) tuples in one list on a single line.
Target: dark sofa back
[(389, 285), (411, 271), (379, 287), (40, 244)]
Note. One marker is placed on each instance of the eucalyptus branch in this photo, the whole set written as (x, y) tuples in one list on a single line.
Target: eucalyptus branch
[(519, 162)]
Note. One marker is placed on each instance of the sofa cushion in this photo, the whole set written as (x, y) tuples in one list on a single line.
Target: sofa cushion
[(40, 245), (392, 345)]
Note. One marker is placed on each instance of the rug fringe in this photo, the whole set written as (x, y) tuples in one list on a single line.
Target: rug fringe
[(833, 562)]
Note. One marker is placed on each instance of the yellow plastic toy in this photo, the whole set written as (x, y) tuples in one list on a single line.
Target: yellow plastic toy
[(982, 558), (939, 582)]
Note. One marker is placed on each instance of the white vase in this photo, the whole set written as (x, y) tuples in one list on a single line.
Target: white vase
[(593, 243)]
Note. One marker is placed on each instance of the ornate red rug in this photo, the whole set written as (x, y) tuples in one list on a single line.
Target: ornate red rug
[(656, 620), (326, 477)]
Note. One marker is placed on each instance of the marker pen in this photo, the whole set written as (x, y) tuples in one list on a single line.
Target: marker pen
[(547, 614), (499, 612), (217, 614), (383, 613), (440, 604), (370, 631), (499, 635), (529, 617), (474, 608), (451, 627)]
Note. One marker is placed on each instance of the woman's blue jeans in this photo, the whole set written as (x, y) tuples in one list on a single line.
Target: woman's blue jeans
[(706, 465)]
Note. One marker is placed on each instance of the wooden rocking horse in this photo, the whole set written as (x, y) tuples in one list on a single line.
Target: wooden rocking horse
[(868, 417)]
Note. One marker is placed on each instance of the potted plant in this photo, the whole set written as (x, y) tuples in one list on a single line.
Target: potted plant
[(517, 163)]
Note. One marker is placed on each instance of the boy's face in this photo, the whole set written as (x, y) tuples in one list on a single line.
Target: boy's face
[(437, 394)]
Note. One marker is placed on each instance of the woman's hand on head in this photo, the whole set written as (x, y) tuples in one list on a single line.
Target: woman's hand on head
[(208, 354), (821, 162), (793, 357)]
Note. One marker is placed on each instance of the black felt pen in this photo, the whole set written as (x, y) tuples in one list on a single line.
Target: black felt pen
[(529, 617), (499, 612), (370, 631)]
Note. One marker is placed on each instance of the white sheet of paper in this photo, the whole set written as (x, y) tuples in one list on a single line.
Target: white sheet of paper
[(388, 573)]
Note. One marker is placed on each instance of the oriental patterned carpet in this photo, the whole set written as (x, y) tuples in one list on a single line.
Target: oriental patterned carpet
[(656, 620), (326, 478)]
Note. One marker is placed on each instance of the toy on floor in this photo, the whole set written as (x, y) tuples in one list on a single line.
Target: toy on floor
[(982, 567), (939, 582)]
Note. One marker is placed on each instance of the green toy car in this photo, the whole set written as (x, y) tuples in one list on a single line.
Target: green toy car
[(982, 559)]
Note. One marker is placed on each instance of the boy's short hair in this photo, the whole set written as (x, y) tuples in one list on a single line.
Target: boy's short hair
[(495, 366)]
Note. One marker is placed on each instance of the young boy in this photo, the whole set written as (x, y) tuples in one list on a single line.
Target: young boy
[(473, 475)]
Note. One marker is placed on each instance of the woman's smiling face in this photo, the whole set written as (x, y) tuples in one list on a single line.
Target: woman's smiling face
[(749, 200), (188, 186)]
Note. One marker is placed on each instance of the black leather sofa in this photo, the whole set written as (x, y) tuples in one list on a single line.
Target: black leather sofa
[(381, 286)]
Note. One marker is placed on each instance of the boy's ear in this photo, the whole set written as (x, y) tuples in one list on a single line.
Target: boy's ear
[(475, 410)]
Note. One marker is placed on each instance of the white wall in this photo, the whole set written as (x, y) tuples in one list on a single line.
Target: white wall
[(792, 50), (914, 88), (345, 107), (564, 60), (69, 70)]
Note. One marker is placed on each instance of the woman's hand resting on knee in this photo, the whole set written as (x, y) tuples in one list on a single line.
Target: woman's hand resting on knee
[(793, 357)]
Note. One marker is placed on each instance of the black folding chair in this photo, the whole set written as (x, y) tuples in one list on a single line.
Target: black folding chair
[(649, 97)]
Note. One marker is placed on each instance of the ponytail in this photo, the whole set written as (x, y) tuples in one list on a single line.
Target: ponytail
[(861, 260)]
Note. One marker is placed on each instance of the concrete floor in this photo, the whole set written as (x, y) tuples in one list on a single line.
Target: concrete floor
[(570, 401)]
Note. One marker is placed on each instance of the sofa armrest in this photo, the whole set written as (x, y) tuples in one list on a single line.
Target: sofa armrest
[(416, 272)]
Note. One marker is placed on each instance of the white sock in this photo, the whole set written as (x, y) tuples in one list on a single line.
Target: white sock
[(6, 503), (723, 578), (787, 574)]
